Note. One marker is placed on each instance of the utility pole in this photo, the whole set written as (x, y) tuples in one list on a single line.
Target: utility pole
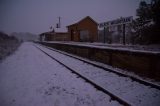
[(124, 34), (59, 22), (104, 35)]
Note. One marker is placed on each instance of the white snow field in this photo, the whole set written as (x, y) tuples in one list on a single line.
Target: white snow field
[(30, 78), (133, 92)]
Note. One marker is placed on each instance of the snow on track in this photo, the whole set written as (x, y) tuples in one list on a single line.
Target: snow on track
[(136, 93), (30, 78)]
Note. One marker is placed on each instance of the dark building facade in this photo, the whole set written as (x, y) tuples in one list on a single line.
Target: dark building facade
[(60, 36), (86, 30), (54, 36), (46, 36)]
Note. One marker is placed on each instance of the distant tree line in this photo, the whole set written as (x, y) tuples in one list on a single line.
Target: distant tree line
[(8, 44), (4, 37), (147, 23)]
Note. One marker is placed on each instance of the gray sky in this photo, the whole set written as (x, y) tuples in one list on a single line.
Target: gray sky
[(36, 16)]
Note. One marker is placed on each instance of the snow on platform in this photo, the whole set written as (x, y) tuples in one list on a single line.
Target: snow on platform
[(150, 49), (30, 78), (133, 92)]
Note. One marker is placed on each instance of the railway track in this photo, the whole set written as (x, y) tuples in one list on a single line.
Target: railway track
[(147, 83), (114, 96)]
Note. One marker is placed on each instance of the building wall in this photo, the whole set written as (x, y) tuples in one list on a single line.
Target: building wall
[(60, 37), (85, 25), (73, 33), (49, 36)]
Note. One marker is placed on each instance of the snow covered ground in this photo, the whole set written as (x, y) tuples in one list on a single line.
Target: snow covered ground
[(30, 78), (135, 93)]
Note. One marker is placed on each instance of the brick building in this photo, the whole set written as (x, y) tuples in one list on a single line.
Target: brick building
[(60, 36), (54, 36), (86, 30), (46, 36)]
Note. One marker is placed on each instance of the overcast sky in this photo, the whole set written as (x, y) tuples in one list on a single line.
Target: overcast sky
[(36, 16)]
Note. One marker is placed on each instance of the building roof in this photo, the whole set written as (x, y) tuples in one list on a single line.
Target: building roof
[(44, 33), (51, 33), (62, 29), (82, 20)]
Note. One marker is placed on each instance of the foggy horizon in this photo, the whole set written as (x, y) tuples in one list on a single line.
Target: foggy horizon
[(37, 16)]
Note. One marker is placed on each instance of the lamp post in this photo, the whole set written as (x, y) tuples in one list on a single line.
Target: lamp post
[(104, 37), (124, 36)]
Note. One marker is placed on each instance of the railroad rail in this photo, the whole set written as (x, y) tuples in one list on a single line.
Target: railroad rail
[(141, 81), (113, 96)]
